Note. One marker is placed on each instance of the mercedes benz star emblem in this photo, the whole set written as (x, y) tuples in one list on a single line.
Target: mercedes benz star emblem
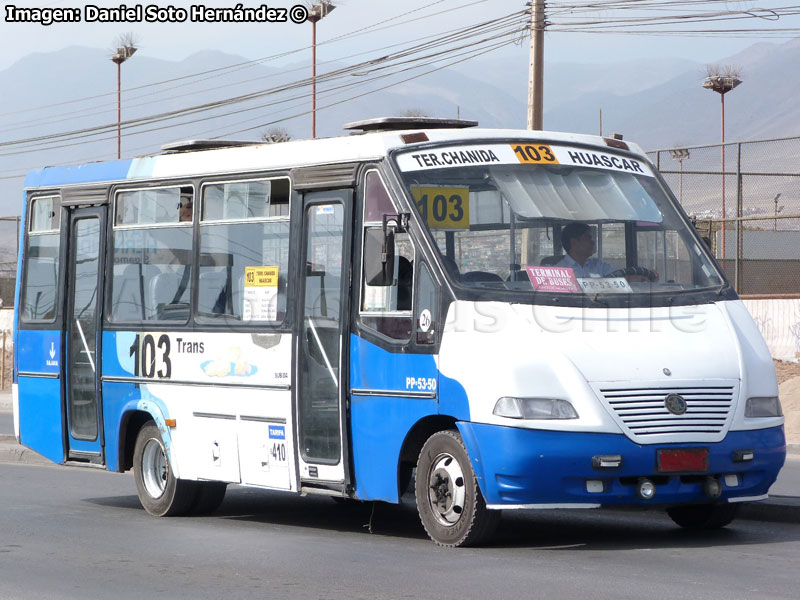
[(675, 404)]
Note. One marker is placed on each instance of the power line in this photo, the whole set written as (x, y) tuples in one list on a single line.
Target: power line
[(376, 66), (95, 110), (247, 64), (474, 54), (458, 36)]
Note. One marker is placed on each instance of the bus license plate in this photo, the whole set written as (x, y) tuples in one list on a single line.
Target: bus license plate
[(683, 460)]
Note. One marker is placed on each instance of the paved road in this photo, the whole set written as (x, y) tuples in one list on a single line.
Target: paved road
[(788, 483), (6, 423), (78, 533)]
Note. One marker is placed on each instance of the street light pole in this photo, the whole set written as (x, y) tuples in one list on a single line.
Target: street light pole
[(722, 84), (317, 13), (777, 210), (680, 154), (122, 54)]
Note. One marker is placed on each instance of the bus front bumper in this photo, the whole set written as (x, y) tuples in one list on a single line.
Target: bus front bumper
[(526, 468)]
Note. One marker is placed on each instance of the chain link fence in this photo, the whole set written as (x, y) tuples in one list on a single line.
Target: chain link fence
[(749, 210)]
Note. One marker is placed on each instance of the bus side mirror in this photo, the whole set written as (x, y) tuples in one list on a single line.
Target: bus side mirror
[(379, 257)]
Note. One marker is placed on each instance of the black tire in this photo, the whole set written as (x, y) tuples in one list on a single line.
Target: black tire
[(209, 496), (449, 501), (161, 494), (704, 516)]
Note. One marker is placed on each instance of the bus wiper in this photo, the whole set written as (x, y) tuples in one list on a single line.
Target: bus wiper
[(596, 299)]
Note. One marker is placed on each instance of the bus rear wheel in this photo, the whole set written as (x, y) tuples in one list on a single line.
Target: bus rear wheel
[(449, 501), (210, 495), (160, 492), (704, 516)]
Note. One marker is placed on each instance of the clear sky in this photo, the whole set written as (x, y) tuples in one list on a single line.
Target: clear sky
[(175, 41)]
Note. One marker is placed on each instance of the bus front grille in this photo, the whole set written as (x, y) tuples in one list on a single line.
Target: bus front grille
[(643, 414)]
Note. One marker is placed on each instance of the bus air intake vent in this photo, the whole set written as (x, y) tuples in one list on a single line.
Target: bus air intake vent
[(325, 176), (404, 123), (644, 415), (196, 145)]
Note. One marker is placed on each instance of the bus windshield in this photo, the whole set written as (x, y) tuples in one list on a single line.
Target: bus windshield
[(554, 219)]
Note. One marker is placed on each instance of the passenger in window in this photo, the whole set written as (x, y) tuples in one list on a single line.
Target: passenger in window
[(185, 209), (579, 245), (220, 305)]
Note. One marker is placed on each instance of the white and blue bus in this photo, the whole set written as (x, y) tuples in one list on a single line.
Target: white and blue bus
[(509, 319)]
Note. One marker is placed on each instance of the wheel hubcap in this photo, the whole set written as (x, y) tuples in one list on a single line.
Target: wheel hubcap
[(446, 489), (154, 468)]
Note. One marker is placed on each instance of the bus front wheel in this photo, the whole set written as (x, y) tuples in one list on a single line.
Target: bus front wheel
[(160, 492), (703, 516), (449, 501)]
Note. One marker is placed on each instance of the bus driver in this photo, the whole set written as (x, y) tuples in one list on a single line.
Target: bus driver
[(579, 244)]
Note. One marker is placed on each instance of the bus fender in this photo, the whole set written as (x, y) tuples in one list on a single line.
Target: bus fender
[(474, 453), (156, 409)]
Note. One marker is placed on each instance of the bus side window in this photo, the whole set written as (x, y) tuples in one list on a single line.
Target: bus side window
[(244, 251), (387, 309), (41, 254), (152, 267)]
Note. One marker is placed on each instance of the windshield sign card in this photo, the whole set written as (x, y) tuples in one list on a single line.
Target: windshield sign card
[(553, 279)]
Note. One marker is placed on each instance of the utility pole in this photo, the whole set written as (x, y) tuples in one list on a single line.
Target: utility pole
[(535, 98), (536, 72)]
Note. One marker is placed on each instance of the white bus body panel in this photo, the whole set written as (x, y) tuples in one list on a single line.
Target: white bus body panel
[(574, 353)]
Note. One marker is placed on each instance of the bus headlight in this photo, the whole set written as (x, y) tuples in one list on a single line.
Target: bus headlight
[(534, 408), (763, 407)]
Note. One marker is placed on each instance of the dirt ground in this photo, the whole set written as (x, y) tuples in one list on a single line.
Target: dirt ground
[(789, 392), (786, 370)]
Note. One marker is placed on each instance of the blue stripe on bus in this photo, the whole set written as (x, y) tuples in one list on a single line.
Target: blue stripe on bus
[(120, 400), (552, 467), (372, 368), (117, 357), (39, 351), (40, 416), (89, 173), (18, 284), (379, 426)]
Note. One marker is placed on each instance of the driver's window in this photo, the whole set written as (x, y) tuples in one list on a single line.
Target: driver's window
[(611, 248), (387, 309), (663, 252)]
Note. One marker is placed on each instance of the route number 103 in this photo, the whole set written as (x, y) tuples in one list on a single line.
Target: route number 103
[(443, 207), (534, 154)]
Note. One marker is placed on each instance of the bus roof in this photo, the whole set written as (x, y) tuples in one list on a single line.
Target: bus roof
[(286, 155)]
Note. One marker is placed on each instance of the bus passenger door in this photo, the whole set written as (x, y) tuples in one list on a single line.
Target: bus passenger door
[(81, 333), (321, 343)]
